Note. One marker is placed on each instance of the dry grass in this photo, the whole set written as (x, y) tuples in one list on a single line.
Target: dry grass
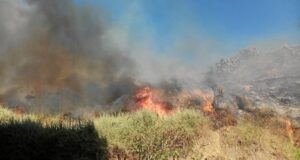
[(39, 137), (186, 134), (144, 135)]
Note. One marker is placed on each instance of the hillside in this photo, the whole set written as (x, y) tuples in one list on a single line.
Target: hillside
[(186, 134), (265, 77)]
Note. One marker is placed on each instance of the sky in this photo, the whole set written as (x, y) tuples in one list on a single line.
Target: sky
[(209, 26)]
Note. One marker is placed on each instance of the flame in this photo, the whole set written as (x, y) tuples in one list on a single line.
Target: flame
[(206, 102), (18, 110), (289, 130), (186, 97), (147, 98)]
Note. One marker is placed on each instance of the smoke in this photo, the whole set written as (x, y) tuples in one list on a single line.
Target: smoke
[(54, 53), (263, 75), (57, 56), (13, 23)]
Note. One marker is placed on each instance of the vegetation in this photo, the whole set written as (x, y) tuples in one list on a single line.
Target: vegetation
[(143, 135), (31, 137), (251, 141), (186, 134)]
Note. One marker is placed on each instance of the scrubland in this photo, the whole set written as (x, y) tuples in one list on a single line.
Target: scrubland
[(186, 134)]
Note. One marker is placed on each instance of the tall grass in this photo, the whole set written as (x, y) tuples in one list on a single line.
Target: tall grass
[(186, 134), (144, 135), (251, 133), (28, 137)]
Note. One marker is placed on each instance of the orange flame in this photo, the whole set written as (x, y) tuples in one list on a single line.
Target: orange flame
[(206, 103), (147, 98), (19, 110), (289, 130)]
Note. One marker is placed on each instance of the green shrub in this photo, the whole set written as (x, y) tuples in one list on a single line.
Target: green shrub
[(296, 154), (144, 135)]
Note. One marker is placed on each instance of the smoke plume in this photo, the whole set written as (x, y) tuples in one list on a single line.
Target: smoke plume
[(56, 56), (54, 53)]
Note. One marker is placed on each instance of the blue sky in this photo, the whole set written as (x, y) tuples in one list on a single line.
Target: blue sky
[(232, 24)]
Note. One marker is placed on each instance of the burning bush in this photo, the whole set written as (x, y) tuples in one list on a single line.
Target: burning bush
[(148, 98)]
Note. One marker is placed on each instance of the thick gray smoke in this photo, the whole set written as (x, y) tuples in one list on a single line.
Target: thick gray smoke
[(54, 53), (13, 23)]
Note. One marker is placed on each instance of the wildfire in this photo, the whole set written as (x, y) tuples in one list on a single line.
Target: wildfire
[(18, 110), (147, 98), (289, 130), (206, 103)]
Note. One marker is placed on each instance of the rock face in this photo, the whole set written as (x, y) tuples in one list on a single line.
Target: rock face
[(271, 77)]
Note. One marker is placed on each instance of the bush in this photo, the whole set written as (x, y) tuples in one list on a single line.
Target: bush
[(249, 133), (297, 154), (144, 135), (27, 139)]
